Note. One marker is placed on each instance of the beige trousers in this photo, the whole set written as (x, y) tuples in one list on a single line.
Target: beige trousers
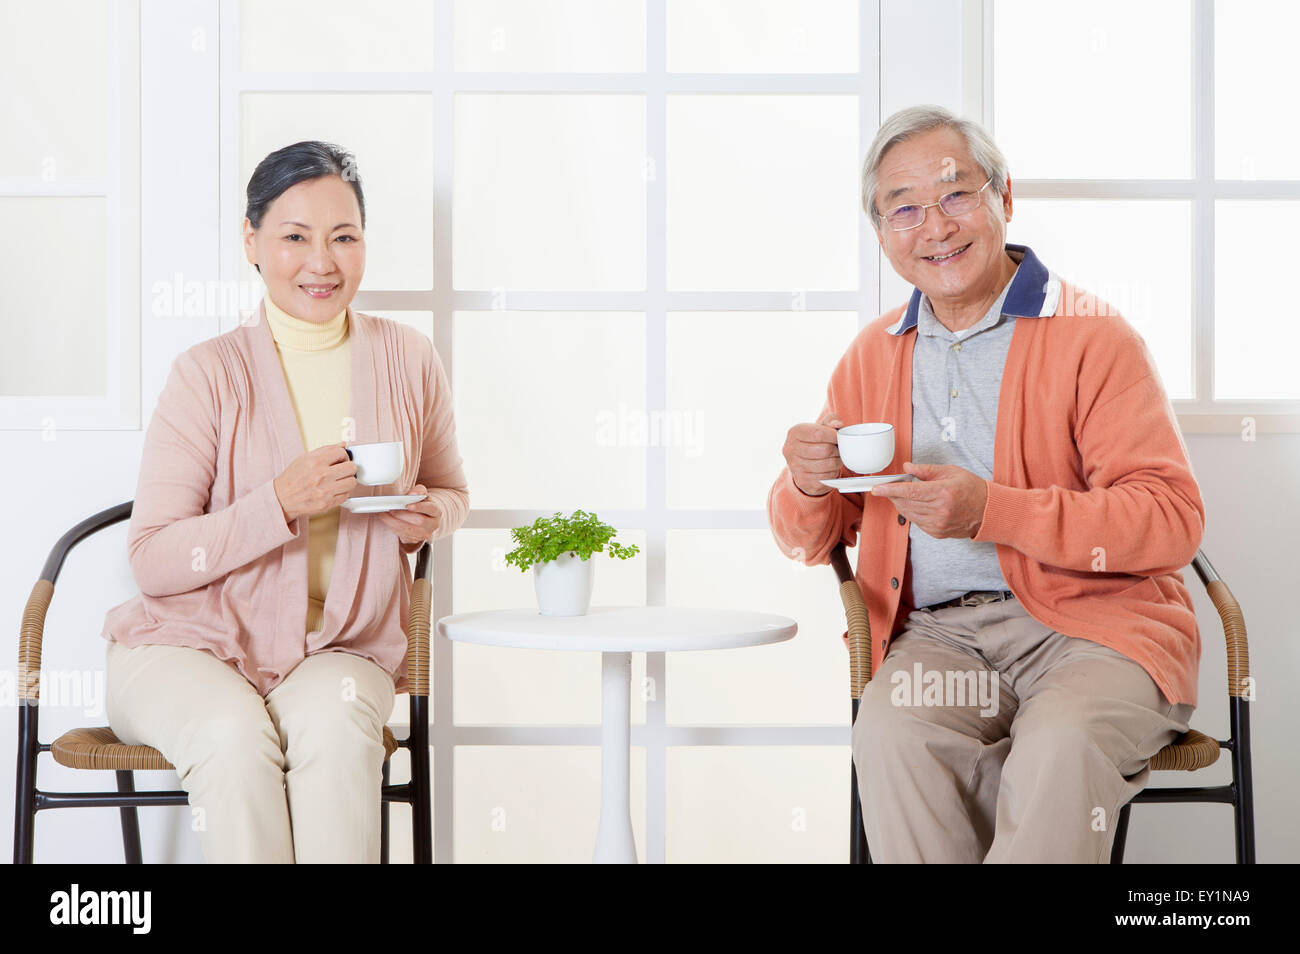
[(292, 777), (986, 736)]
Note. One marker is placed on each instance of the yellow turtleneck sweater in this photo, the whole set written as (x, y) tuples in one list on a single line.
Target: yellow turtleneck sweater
[(318, 370)]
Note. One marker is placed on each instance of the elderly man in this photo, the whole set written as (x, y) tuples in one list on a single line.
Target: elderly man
[(1036, 554)]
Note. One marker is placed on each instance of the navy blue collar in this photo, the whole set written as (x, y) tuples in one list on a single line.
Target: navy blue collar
[(1034, 292)]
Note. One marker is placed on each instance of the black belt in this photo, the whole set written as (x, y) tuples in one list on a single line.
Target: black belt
[(976, 598)]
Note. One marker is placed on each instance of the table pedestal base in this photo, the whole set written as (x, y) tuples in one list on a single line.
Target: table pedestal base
[(614, 841)]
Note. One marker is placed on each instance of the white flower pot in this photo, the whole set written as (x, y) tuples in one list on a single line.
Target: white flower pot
[(564, 585)]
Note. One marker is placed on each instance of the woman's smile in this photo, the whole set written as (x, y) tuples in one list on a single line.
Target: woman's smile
[(319, 291)]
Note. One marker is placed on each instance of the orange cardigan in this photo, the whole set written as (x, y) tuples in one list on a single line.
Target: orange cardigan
[(1093, 504)]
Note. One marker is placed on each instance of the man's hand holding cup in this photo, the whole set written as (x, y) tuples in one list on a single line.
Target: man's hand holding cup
[(812, 454)]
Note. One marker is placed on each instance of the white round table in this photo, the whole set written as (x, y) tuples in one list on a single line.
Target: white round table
[(616, 632)]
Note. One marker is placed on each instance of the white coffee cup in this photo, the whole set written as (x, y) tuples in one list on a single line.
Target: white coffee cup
[(377, 463), (866, 448)]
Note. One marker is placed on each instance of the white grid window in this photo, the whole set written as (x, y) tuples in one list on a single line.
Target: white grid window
[(1153, 171), (69, 194), (589, 199)]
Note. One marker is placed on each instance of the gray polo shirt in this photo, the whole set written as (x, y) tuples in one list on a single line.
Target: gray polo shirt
[(954, 387), (956, 377)]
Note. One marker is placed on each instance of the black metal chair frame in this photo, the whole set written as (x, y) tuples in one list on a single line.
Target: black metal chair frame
[(1239, 793), (30, 800)]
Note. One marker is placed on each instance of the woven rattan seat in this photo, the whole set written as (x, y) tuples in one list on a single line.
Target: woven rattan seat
[(1193, 750), (99, 748)]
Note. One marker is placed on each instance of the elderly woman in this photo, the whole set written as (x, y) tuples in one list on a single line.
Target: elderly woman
[(268, 693)]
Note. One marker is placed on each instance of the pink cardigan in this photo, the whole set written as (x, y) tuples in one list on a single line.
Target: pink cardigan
[(217, 566), (1092, 505)]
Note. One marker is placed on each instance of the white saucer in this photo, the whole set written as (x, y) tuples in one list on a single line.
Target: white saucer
[(380, 504), (850, 485)]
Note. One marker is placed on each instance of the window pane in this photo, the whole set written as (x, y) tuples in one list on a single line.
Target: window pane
[(762, 36), (497, 685), (53, 105), (762, 192), (524, 804), (391, 136), (550, 192), (544, 36), (1254, 54), (757, 804), (1136, 255), (797, 682), (62, 349), (336, 36), (1256, 324), (716, 360), (559, 389), (1122, 108)]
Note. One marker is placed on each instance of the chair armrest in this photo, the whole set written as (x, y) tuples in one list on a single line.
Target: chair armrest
[(859, 625), (1234, 627), (32, 632), (29, 640), (417, 626)]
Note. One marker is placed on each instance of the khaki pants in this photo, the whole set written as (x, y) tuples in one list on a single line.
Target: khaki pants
[(947, 776), (292, 777)]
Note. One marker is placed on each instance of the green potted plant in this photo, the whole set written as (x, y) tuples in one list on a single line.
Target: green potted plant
[(558, 550)]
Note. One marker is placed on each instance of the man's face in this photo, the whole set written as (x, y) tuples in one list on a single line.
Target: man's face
[(920, 171), (310, 236)]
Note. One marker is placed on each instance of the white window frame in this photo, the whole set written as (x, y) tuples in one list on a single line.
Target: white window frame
[(119, 407), (1201, 414)]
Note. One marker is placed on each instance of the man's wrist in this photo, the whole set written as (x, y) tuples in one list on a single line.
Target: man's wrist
[(808, 495), (805, 493), (984, 509)]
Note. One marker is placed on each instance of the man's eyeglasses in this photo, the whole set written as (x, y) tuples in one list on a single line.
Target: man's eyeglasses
[(954, 203)]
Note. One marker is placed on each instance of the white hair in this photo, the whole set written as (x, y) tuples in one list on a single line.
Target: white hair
[(914, 120)]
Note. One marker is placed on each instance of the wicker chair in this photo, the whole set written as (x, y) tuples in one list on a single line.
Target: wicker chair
[(1193, 750), (99, 749)]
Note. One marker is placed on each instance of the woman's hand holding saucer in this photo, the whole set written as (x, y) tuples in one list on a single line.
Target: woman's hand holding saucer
[(417, 521)]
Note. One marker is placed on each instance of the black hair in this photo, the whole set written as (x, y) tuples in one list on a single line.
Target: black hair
[(300, 162)]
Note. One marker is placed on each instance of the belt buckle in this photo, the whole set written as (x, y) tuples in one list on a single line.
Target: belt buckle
[(981, 598)]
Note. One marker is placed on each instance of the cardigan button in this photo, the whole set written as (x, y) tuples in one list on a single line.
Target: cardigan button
[(893, 582), (901, 520)]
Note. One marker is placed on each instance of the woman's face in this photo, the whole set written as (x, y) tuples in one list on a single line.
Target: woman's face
[(310, 248)]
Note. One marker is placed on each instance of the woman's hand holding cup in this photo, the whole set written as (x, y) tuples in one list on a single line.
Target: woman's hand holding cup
[(317, 481)]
